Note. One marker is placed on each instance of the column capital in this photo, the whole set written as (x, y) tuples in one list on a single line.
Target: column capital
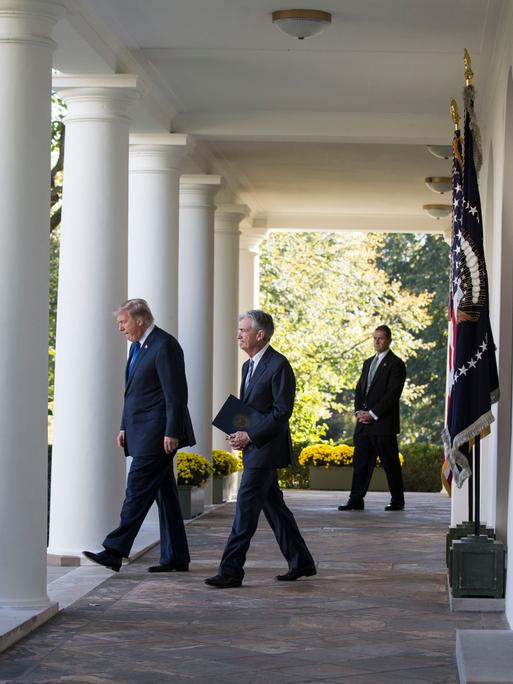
[(158, 153), (96, 97), (199, 189), (252, 237), (29, 21), (229, 216)]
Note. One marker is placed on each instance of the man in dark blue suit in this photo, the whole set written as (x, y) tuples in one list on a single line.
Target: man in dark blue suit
[(154, 425), (268, 385), (376, 405)]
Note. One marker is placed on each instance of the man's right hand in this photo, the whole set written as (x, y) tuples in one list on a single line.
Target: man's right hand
[(120, 439)]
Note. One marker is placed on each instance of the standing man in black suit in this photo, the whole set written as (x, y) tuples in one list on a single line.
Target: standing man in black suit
[(269, 386), (377, 423), (154, 425)]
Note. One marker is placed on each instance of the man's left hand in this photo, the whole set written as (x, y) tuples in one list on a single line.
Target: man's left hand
[(170, 444), (239, 440), (364, 417)]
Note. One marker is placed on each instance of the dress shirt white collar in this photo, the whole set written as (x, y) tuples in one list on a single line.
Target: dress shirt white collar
[(381, 356), (146, 334), (258, 356)]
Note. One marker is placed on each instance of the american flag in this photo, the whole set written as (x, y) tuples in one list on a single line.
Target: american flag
[(472, 380)]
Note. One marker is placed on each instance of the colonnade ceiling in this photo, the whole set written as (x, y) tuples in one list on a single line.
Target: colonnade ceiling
[(328, 132)]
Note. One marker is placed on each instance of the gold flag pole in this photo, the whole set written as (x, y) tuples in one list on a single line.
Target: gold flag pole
[(456, 118), (469, 95), (469, 74)]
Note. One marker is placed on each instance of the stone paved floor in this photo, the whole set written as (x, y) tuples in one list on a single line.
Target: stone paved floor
[(377, 612)]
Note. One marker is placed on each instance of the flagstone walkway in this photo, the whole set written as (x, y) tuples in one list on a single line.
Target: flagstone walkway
[(376, 613)]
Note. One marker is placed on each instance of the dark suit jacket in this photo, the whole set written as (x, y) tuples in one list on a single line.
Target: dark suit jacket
[(156, 397), (271, 392), (383, 395)]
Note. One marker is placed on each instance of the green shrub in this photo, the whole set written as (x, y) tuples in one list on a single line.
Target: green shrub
[(224, 462), (192, 469), (422, 467), (295, 476), (327, 455), (331, 456)]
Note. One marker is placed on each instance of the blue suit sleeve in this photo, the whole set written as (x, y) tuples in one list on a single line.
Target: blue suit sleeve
[(171, 372), (283, 388)]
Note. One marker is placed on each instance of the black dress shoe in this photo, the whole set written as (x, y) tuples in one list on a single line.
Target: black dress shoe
[(169, 567), (105, 558), (223, 581), (394, 507), (352, 506), (293, 575)]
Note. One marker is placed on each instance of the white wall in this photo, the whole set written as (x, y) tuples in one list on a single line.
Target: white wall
[(497, 178)]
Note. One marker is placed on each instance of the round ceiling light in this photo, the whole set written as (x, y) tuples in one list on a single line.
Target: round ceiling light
[(301, 23), (437, 211), (440, 151), (439, 184)]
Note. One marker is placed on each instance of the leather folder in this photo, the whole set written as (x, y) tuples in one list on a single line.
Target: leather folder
[(235, 415)]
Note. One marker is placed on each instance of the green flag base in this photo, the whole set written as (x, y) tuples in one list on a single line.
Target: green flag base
[(461, 530), (477, 567)]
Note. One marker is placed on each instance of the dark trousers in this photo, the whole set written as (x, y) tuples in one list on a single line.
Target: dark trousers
[(367, 449), (259, 491), (150, 479)]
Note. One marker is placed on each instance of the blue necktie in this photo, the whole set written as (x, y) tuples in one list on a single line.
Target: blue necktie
[(248, 376), (135, 354)]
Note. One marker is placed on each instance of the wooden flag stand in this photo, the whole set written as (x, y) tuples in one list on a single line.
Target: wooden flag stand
[(476, 560)]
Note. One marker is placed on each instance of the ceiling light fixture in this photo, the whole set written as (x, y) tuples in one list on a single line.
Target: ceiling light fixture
[(439, 184), (440, 151), (301, 23), (437, 211)]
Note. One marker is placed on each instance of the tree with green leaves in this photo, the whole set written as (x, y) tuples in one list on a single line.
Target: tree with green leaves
[(56, 178), (327, 293), (420, 263)]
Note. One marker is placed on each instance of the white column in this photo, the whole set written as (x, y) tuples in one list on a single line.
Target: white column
[(196, 301), (153, 211), (249, 272), (153, 223), (226, 307), (249, 276), (25, 79), (87, 467)]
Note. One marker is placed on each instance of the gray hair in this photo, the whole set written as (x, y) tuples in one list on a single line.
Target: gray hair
[(136, 308), (260, 320)]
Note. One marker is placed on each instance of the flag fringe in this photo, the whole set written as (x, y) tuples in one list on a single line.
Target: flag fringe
[(458, 461), (469, 95)]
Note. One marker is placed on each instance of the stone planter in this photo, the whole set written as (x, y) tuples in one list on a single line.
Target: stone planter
[(225, 487), (340, 478), (219, 488), (192, 500)]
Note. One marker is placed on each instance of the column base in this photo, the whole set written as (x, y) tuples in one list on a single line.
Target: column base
[(57, 560), (16, 623), (147, 538)]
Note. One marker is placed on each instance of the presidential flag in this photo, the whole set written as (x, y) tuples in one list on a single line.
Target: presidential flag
[(472, 380), (457, 194)]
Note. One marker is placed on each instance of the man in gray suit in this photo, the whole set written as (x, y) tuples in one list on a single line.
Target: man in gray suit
[(268, 385), (154, 425)]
